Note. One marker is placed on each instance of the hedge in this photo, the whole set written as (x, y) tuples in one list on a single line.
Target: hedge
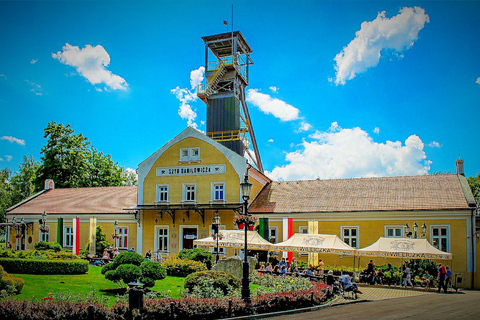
[(33, 266), (181, 268)]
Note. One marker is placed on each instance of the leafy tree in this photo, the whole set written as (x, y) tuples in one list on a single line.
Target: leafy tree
[(474, 183), (23, 183), (5, 192), (130, 177), (103, 171), (101, 242)]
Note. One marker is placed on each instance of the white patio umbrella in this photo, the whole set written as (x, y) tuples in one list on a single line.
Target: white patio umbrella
[(315, 243), (403, 248), (235, 239)]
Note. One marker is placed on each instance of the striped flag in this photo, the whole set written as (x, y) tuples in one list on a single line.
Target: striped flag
[(287, 234), (92, 236), (60, 231), (76, 236)]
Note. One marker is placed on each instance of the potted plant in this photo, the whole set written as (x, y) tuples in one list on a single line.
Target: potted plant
[(241, 221)]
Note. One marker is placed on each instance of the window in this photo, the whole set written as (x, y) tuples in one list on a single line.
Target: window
[(218, 191), (303, 229), (439, 237), (272, 234), (162, 239), (162, 192), (189, 192), (350, 236), (394, 231), (45, 235), (68, 237), (190, 154), (122, 242)]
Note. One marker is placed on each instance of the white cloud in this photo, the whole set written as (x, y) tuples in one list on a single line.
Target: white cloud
[(478, 79), (397, 33), (271, 140), (91, 63), (304, 126), (434, 144), (376, 130), (33, 61), (273, 106), (3, 76), (36, 88), (185, 96), (347, 153), (13, 139), (9, 158), (273, 89)]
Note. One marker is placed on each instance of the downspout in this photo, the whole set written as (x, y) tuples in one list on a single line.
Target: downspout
[(473, 248)]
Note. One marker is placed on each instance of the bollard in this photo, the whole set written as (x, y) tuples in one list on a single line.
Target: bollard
[(135, 295), (172, 310), (90, 311), (229, 308)]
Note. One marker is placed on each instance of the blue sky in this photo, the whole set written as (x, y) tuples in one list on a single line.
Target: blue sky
[(338, 89)]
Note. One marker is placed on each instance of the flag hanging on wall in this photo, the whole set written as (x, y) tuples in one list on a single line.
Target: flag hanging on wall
[(92, 236), (60, 231), (263, 229), (76, 236), (312, 229), (287, 234)]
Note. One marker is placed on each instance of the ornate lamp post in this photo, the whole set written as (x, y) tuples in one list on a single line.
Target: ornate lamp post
[(216, 227), (115, 235), (414, 234), (246, 187)]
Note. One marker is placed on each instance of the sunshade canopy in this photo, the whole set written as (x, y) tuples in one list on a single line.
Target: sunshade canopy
[(317, 243), (235, 239), (403, 248)]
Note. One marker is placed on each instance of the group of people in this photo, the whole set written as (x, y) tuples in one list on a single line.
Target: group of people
[(109, 254), (285, 267)]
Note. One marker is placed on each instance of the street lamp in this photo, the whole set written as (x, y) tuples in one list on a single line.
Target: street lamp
[(115, 235), (414, 234), (216, 226), (246, 187)]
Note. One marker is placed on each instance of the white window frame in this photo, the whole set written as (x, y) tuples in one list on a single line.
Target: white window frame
[(447, 236), (185, 192), (165, 237), (393, 227), (270, 229), (221, 251), (303, 229), (122, 237), (188, 154), (213, 191), (44, 235), (349, 237), (159, 192), (67, 235)]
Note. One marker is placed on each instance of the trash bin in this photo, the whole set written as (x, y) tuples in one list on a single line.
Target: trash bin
[(135, 295)]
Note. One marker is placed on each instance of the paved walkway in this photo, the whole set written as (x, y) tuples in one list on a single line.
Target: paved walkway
[(384, 303)]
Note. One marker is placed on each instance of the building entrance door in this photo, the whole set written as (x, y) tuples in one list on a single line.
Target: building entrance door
[(189, 234)]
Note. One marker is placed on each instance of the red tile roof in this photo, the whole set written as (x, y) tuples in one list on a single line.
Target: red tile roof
[(427, 192), (79, 201)]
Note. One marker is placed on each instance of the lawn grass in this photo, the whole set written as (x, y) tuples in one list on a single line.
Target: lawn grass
[(40, 286)]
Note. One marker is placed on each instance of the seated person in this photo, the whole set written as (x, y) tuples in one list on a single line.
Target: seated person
[(330, 278), (262, 268), (347, 283), (295, 271), (427, 279), (308, 272), (148, 255), (283, 270), (106, 257), (269, 268), (282, 263), (276, 269)]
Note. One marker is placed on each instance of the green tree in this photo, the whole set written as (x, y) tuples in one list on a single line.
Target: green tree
[(474, 183), (5, 193), (71, 162), (23, 183)]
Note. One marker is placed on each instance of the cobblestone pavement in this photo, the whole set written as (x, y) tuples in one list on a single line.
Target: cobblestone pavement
[(376, 294), (385, 303)]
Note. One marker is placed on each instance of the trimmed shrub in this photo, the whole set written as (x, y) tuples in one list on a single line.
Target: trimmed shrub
[(107, 267), (35, 266), (221, 280), (38, 254), (128, 258), (128, 272), (197, 254), (9, 283), (181, 268), (151, 271), (44, 245)]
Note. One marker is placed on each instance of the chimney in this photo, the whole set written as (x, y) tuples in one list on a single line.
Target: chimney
[(49, 184), (459, 165)]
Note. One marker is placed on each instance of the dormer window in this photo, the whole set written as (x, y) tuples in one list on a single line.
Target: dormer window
[(190, 154)]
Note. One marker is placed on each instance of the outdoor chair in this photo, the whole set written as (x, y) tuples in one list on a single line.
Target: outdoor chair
[(349, 291)]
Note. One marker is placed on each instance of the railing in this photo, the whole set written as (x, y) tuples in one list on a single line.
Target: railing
[(229, 135)]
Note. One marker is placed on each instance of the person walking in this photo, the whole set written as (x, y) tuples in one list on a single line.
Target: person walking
[(441, 275), (371, 272), (408, 277)]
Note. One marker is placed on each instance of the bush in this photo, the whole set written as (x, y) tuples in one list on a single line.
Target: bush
[(107, 267), (181, 268), (128, 258), (43, 245), (221, 280), (128, 273), (153, 270), (36, 266), (197, 254), (9, 283), (38, 254)]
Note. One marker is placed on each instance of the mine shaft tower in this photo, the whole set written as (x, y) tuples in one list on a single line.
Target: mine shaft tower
[(226, 77)]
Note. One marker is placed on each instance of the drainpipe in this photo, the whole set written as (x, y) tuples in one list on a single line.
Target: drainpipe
[(473, 237)]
